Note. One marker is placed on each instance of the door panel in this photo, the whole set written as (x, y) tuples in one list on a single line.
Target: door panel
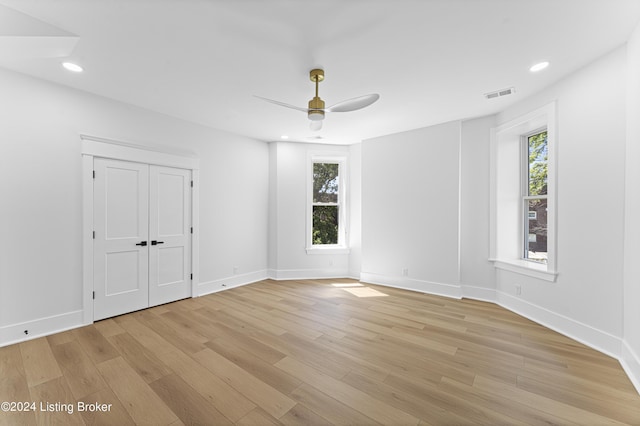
[(121, 274), (170, 226), (123, 202), (170, 265), (122, 270)]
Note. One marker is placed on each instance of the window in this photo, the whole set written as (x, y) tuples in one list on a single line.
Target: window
[(326, 224), (534, 195), (325, 203), (522, 198)]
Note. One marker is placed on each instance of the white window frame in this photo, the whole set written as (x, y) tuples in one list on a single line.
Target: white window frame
[(507, 238), (341, 247)]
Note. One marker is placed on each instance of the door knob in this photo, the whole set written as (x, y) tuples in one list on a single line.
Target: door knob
[(154, 242), (142, 243)]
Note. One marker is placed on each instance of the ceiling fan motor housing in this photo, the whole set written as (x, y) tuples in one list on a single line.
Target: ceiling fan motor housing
[(316, 109)]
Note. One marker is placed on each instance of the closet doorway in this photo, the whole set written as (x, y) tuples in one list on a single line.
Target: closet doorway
[(141, 216)]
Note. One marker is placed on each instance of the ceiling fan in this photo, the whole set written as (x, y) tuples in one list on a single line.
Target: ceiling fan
[(316, 109)]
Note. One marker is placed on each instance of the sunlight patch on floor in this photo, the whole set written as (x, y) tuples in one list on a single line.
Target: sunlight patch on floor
[(359, 290)]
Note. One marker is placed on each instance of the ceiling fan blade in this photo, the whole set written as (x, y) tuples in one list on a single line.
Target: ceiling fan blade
[(354, 103), (315, 125), (282, 104)]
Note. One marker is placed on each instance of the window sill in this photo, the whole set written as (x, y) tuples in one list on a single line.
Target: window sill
[(328, 250), (524, 267)]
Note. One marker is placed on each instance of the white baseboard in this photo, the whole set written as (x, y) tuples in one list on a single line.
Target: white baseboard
[(230, 282), (40, 327), (479, 293), (307, 274), (631, 364), (406, 283), (583, 333)]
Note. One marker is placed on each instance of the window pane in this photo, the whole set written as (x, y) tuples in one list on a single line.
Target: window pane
[(325, 225), (538, 161), (536, 226), (325, 183)]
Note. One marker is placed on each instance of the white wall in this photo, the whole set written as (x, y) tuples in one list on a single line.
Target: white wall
[(41, 197), (355, 211), (478, 275), (631, 349), (425, 208), (410, 202), (289, 163), (586, 300)]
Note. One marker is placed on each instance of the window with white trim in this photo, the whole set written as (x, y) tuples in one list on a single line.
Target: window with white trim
[(523, 194), (326, 230)]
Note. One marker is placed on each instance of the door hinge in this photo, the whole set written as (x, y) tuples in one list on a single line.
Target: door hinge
[(192, 229), (192, 184), (94, 174), (94, 295), (191, 277), (94, 235)]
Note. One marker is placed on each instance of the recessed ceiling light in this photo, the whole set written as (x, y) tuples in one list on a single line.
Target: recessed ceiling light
[(539, 67), (72, 67), (284, 137)]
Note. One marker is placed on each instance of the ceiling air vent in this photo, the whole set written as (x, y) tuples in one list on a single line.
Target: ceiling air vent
[(500, 93)]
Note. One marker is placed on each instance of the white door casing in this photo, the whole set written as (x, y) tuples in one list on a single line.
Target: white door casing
[(121, 257), (94, 147), (169, 234)]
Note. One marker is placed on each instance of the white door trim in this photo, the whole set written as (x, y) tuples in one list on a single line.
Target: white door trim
[(162, 156)]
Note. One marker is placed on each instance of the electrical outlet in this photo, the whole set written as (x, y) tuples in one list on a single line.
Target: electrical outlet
[(518, 289), (405, 272), (235, 270)]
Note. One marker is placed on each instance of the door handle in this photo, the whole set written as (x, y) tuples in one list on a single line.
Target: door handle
[(142, 243), (154, 242)]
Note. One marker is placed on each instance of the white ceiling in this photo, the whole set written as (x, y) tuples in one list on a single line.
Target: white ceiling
[(431, 61)]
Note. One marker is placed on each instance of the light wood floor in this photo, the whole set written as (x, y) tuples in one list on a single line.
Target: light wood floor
[(316, 352)]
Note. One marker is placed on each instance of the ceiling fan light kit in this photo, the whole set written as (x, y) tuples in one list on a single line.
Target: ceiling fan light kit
[(316, 109)]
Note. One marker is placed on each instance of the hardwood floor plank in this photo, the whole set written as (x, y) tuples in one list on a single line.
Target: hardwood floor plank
[(262, 370), (56, 404), (81, 374), (40, 365), (186, 402), (494, 409), (112, 411), (245, 341), (329, 408), (263, 395), (546, 405), (421, 408), (108, 327), (258, 417), (13, 386), (146, 336), (356, 399), (404, 335), (573, 396), (141, 402), (231, 403), (145, 362), (60, 338), (95, 344), (301, 415), (186, 341)]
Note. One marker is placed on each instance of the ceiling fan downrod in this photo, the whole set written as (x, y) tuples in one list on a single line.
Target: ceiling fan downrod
[(316, 105)]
